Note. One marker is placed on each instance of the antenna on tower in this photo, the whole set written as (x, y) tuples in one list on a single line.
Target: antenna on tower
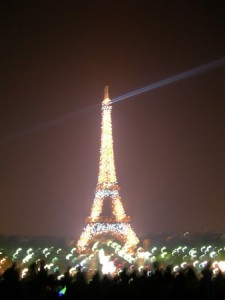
[(106, 92)]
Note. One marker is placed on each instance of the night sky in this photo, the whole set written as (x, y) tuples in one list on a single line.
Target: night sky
[(169, 143)]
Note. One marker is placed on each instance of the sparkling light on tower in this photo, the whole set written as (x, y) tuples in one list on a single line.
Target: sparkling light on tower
[(118, 224)]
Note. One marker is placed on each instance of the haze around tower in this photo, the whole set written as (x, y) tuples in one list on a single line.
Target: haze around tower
[(168, 142)]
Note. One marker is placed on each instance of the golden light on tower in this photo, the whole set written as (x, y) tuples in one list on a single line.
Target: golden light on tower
[(117, 225)]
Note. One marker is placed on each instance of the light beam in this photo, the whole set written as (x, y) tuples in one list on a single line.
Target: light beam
[(187, 74), (184, 75)]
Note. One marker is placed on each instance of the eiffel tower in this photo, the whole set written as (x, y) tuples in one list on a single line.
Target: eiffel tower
[(103, 223)]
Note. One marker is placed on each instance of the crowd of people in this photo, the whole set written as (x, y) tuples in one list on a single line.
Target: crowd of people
[(156, 283)]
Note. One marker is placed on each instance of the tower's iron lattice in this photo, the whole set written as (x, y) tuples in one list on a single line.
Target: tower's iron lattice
[(116, 224)]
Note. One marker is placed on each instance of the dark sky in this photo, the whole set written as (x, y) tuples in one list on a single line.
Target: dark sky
[(56, 57)]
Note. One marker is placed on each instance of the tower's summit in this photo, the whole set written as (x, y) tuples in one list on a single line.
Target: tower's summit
[(117, 224), (106, 92), (106, 100)]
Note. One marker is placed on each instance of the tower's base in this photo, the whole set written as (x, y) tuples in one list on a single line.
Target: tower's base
[(98, 231)]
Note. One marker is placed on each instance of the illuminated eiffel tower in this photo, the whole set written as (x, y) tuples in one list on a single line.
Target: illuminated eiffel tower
[(101, 224)]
